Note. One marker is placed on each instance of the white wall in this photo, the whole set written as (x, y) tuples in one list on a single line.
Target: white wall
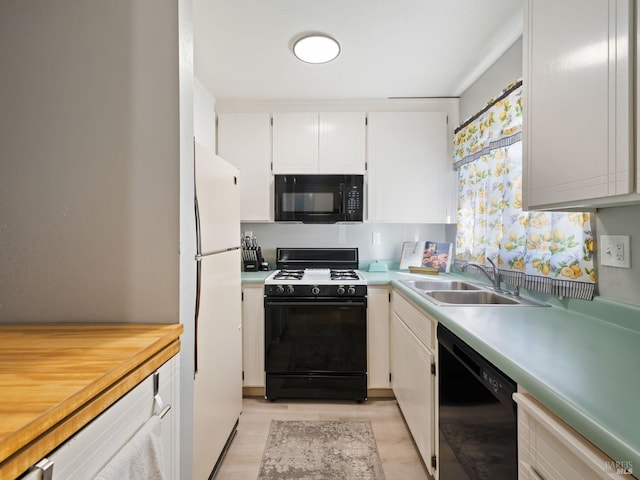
[(187, 236), (89, 141), (614, 283), (204, 110), (507, 69)]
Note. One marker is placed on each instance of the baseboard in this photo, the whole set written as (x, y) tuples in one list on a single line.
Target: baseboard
[(253, 392), (380, 393), (371, 392)]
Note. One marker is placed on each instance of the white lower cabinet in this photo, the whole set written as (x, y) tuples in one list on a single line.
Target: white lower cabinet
[(253, 335), (413, 361), (85, 454), (549, 449), (378, 337)]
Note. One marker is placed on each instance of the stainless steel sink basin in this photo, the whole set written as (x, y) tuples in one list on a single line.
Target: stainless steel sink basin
[(429, 285), (461, 293), (479, 298), (476, 298)]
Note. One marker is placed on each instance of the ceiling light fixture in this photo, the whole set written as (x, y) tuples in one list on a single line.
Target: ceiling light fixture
[(316, 48)]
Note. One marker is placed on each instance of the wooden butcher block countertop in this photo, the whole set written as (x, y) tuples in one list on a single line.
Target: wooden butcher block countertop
[(56, 378)]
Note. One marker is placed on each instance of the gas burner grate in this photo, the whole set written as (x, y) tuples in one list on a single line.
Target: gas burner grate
[(289, 275), (343, 275)]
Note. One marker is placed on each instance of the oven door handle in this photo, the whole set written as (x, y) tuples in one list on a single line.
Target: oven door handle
[(316, 303)]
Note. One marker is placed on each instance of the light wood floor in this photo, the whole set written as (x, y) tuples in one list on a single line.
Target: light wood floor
[(400, 458)]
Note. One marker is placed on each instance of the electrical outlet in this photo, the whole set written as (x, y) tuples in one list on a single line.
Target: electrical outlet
[(375, 238), (615, 251)]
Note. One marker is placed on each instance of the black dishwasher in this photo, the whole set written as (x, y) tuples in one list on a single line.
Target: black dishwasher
[(478, 417)]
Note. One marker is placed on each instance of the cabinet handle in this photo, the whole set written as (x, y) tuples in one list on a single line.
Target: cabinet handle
[(531, 472), (46, 467)]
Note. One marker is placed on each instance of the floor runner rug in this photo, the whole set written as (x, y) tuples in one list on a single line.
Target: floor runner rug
[(321, 450)]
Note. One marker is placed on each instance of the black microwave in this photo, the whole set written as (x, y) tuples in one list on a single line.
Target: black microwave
[(319, 198)]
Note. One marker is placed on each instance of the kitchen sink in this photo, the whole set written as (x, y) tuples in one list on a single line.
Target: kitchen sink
[(461, 293), (479, 298), (430, 285), (475, 298)]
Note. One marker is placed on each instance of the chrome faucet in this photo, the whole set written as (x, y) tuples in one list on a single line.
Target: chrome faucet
[(495, 280)]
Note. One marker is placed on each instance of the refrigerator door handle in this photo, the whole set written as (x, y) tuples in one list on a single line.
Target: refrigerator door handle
[(197, 315), (198, 231)]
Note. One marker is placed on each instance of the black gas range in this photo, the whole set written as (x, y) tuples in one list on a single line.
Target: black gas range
[(316, 325)]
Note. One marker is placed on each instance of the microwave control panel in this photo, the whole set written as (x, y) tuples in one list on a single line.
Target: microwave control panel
[(354, 201)]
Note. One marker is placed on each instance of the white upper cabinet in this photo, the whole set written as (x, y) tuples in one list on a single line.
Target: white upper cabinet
[(342, 143), (319, 142), (295, 143), (411, 177), (578, 78), (244, 139)]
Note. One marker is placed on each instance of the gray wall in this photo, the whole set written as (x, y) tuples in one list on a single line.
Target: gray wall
[(271, 236), (614, 283), (89, 170), (507, 69)]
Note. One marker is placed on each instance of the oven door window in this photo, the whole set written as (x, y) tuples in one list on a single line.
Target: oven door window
[(315, 337)]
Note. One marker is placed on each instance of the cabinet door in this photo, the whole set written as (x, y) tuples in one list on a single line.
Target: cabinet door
[(414, 386), (411, 178), (549, 449), (253, 335), (295, 143), (578, 143), (378, 337), (84, 454), (244, 140), (342, 143)]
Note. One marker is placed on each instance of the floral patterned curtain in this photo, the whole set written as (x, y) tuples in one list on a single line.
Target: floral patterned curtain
[(548, 252)]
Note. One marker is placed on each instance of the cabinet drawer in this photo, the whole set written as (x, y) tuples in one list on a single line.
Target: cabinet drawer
[(549, 449), (418, 322)]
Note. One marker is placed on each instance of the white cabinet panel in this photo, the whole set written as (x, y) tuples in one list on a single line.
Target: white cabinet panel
[(83, 455), (578, 125), (342, 142), (378, 337), (549, 449), (413, 386), (412, 380), (253, 335), (295, 143), (325, 142), (411, 178), (244, 139)]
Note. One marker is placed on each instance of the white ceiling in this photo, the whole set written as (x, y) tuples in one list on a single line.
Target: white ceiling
[(390, 48)]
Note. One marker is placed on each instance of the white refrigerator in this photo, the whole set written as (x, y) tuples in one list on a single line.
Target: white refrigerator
[(218, 336)]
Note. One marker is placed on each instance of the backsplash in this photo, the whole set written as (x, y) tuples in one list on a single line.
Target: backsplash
[(620, 284), (273, 235)]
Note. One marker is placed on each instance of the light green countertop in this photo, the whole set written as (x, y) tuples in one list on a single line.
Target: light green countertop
[(579, 358), (249, 278)]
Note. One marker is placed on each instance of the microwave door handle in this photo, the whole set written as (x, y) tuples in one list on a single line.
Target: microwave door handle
[(343, 207)]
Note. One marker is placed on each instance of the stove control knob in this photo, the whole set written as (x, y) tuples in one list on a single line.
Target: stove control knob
[(341, 290), (315, 290), (280, 289), (290, 289), (351, 290)]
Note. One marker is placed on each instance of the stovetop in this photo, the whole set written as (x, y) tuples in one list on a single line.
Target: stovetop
[(316, 282), (316, 276), (316, 272)]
